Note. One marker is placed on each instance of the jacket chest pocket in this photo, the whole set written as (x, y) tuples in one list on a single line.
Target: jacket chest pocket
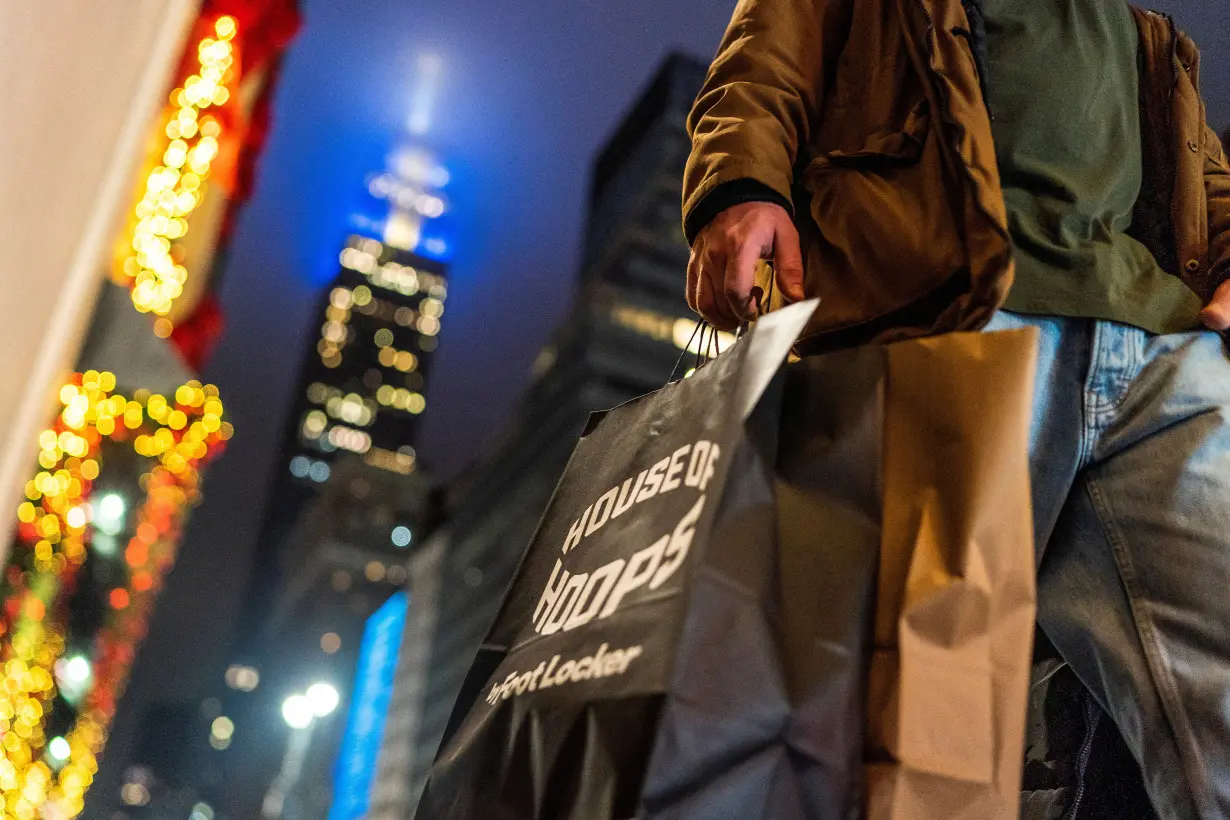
[(884, 216), (882, 149)]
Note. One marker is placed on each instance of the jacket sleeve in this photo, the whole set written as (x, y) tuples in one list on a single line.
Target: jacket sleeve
[(1217, 188), (759, 100)]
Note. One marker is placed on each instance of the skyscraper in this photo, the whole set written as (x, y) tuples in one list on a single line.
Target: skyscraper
[(363, 379), (628, 329), (348, 494)]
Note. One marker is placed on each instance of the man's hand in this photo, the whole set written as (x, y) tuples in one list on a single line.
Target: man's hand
[(722, 270), (1217, 315)]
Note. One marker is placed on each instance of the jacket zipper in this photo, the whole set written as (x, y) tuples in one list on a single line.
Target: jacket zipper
[(946, 117), (1093, 715), (976, 37)]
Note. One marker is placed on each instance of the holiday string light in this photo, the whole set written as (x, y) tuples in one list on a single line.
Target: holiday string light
[(151, 261), (179, 433)]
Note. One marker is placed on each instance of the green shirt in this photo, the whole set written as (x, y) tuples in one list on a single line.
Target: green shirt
[(1063, 83)]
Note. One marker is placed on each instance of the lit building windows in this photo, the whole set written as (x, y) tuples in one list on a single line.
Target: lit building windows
[(663, 328), (220, 732), (395, 462), (319, 472), (242, 678), (357, 260), (402, 399), (364, 258), (341, 298), (348, 438), (134, 794), (405, 361), (350, 408), (317, 393), (314, 424), (299, 466), (333, 332)]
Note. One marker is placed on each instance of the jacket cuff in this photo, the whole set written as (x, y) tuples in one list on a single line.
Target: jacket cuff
[(726, 195)]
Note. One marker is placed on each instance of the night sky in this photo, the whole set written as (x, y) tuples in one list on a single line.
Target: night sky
[(530, 92)]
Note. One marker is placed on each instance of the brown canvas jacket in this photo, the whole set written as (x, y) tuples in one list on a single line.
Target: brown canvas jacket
[(868, 117)]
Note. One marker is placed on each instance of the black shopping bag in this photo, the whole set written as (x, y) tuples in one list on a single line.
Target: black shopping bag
[(799, 592), (662, 652)]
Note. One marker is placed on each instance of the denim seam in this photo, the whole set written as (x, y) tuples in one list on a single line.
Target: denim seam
[(1163, 681), (1128, 341), (1091, 403), (1134, 363)]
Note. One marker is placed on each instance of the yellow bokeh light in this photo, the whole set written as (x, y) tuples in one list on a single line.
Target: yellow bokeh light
[(57, 512), (76, 518), (173, 188), (57, 497)]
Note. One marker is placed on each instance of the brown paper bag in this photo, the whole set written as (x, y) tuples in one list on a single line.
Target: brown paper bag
[(955, 608)]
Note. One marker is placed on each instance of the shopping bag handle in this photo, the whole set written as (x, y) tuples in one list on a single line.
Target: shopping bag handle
[(705, 353)]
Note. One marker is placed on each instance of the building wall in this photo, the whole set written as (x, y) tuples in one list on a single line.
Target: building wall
[(620, 341), (82, 82), (398, 767)]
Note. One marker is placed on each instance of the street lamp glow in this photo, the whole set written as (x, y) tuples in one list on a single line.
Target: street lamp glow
[(323, 699), (109, 517), (297, 712), (59, 749), (76, 517), (78, 669), (222, 728)]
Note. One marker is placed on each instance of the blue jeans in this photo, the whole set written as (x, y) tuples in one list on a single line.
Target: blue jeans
[(1130, 459)]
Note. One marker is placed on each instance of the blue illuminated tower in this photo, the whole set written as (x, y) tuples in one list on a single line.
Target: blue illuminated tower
[(349, 496), (364, 377), (626, 331)]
